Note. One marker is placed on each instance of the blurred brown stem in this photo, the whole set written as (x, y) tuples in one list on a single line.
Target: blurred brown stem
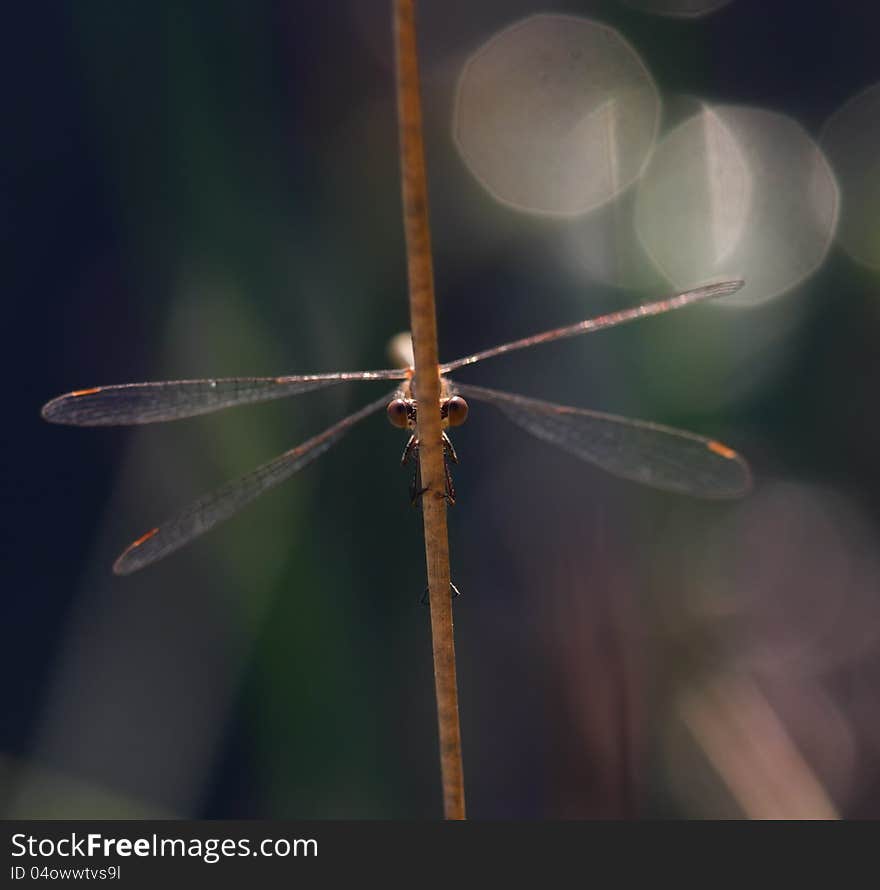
[(423, 323)]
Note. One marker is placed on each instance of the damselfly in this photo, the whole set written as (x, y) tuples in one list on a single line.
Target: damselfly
[(645, 452)]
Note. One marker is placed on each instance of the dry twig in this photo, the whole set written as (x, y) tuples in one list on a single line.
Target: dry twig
[(427, 387)]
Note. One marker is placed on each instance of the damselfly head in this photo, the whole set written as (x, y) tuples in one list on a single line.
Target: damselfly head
[(402, 412)]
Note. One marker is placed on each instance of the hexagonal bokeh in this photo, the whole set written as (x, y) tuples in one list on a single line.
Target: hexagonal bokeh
[(556, 115), (683, 9), (738, 192), (851, 137)]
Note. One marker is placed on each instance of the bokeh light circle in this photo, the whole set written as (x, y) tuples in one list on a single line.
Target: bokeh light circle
[(685, 9), (738, 192), (555, 115), (851, 138)]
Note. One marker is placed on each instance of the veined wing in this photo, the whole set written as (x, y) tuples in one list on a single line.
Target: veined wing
[(134, 403), (686, 298), (655, 455), (210, 509)]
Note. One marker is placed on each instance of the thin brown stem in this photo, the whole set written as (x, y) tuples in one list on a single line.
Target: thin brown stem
[(423, 322)]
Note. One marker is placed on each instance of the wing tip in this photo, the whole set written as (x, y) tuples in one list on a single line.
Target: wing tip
[(748, 482), (125, 564), (119, 567), (52, 411), (56, 410), (745, 483)]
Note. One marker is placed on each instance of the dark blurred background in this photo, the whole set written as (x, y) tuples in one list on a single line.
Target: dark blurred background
[(211, 189)]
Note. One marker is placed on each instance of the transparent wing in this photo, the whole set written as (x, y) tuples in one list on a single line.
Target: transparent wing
[(133, 403), (634, 449), (686, 298), (210, 509)]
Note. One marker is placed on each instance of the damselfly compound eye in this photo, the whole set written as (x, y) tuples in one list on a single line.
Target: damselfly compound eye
[(398, 413), (456, 411)]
